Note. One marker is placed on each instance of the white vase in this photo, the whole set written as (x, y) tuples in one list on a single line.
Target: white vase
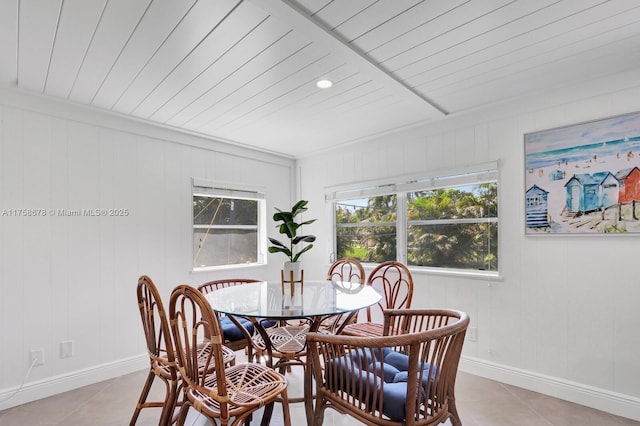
[(296, 267)]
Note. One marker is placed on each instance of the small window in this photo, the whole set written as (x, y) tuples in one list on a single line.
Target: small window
[(227, 227)]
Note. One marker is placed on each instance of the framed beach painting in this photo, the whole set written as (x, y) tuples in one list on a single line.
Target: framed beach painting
[(584, 178)]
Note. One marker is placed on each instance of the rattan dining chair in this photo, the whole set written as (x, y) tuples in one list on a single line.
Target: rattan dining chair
[(162, 353), (396, 283), (405, 377), (237, 332), (160, 350), (288, 345), (346, 269), (281, 343), (228, 395), (343, 272)]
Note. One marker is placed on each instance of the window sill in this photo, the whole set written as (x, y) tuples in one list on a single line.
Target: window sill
[(459, 273), (227, 267)]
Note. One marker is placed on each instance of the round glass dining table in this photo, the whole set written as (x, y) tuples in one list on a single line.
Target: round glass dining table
[(312, 301)]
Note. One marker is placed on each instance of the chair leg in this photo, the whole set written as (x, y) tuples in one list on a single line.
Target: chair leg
[(268, 410), (318, 415), (285, 408), (168, 405), (170, 402), (266, 415), (453, 413), (143, 396), (182, 415)]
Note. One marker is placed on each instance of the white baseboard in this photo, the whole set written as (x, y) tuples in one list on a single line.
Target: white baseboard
[(600, 399), (32, 391)]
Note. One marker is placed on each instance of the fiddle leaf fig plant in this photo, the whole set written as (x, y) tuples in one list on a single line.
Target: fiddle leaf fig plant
[(289, 227)]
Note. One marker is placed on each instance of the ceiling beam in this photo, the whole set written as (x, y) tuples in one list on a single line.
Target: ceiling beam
[(299, 19)]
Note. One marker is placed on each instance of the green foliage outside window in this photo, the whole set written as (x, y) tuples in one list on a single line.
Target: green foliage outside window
[(455, 227), (367, 229)]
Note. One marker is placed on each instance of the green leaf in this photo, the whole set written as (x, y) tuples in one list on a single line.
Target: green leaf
[(286, 251), (303, 238), (291, 229), (299, 207), (277, 243), (297, 256), (282, 216)]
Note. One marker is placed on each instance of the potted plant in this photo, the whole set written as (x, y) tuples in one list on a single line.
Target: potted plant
[(289, 227)]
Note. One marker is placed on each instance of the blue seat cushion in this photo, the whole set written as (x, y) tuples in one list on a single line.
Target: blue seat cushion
[(268, 323), (231, 331), (360, 367)]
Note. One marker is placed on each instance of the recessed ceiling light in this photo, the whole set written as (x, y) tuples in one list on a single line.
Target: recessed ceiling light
[(324, 84)]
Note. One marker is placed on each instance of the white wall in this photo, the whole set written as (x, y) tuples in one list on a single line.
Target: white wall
[(74, 278), (565, 318)]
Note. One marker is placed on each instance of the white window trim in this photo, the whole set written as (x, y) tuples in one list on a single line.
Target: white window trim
[(204, 187), (400, 185)]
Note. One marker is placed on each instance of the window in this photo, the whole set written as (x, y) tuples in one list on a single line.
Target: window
[(446, 222), (366, 228), (534, 201), (227, 227)]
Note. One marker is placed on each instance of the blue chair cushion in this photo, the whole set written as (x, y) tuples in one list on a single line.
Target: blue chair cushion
[(361, 366), (268, 323), (231, 331)]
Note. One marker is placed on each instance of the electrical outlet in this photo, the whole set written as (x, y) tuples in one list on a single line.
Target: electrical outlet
[(37, 357), (66, 349), (472, 334)]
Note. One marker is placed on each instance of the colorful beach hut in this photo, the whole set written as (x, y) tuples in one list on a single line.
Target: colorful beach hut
[(537, 207), (629, 185), (591, 192), (556, 175)]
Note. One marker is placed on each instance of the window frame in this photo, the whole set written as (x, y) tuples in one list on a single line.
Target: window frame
[(400, 186), (203, 187)]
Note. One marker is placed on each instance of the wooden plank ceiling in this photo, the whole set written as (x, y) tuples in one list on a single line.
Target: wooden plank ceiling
[(245, 71)]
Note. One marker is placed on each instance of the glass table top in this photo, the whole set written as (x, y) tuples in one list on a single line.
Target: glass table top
[(316, 298)]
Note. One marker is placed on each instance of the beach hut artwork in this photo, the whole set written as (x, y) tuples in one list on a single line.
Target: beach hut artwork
[(537, 207), (584, 178)]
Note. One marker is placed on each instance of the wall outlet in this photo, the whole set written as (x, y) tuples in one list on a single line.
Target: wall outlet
[(66, 349), (472, 334), (37, 357)]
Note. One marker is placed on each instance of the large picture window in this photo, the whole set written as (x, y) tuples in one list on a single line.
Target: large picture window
[(445, 222), (227, 227)]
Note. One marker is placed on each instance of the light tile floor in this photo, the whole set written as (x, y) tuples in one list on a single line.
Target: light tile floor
[(481, 402)]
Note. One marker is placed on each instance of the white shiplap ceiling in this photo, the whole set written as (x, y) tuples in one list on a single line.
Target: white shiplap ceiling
[(245, 71)]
